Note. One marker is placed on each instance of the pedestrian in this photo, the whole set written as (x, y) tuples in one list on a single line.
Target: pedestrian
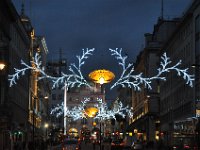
[(24, 145), (16, 145), (30, 145), (159, 144)]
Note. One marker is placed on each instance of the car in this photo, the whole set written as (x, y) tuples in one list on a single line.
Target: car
[(70, 144), (117, 143), (107, 140), (185, 147), (137, 146)]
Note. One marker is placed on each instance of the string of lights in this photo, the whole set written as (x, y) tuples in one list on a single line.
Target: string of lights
[(79, 112), (75, 78), (129, 79)]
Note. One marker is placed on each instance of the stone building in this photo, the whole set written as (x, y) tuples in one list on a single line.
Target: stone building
[(74, 98), (15, 102), (145, 121), (54, 68), (39, 90), (14, 45), (179, 103)]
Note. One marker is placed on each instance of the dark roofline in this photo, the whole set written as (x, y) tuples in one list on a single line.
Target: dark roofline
[(188, 15)]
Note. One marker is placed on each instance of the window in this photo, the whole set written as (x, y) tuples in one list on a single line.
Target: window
[(91, 99), (84, 121)]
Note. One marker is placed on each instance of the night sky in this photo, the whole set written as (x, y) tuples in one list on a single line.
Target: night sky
[(101, 24)]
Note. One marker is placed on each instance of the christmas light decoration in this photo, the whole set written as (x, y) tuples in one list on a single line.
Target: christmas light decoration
[(105, 113), (74, 78), (128, 78), (75, 113), (78, 112)]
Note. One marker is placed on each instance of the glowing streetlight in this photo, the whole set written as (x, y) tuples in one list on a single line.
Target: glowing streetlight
[(2, 65), (46, 125), (101, 80)]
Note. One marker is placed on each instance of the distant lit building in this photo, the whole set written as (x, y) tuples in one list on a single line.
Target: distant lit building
[(74, 98), (54, 68)]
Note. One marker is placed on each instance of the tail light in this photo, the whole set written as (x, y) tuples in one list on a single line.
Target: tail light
[(121, 144), (186, 146)]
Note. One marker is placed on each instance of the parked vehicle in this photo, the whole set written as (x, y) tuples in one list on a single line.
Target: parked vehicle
[(117, 144), (70, 144), (185, 147), (137, 146)]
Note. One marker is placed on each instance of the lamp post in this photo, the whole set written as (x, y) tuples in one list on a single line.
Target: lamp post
[(65, 108), (35, 98), (33, 132), (2, 65), (46, 126), (101, 76), (2, 97)]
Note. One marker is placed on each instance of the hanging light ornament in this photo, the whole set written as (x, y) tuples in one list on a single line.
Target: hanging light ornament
[(101, 76), (91, 111)]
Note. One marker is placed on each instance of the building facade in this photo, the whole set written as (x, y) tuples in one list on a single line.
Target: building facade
[(75, 97), (54, 68), (39, 91), (14, 45), (145, 122), (179, 102)]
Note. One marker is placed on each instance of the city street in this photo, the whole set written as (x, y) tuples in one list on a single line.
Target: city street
[(83, 146), (105, 146), (121, 73), (90, 146)]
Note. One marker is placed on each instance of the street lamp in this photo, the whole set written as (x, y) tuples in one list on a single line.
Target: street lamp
[(195, 66), (46, 97), (46, 126), (2, 60), (2, 65), (33, 117), (101, 76)]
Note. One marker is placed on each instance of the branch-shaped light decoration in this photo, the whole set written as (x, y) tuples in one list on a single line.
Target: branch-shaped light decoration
[(105, 113), (75, 76), (128, 78), (78, 112)]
